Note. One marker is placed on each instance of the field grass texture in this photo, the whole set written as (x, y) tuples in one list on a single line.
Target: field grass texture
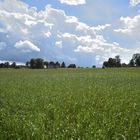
[(70, 104)]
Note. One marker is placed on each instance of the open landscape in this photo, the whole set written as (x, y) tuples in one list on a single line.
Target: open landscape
[(76, 104), (69, 69)]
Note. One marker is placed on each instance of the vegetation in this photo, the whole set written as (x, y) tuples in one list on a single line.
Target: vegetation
[(63, 104), (112, 62), (39, 63), (72, 66), (136, 59), (8, 65), (116, 62)]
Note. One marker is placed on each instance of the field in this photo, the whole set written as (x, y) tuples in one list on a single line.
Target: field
[(70, 104)]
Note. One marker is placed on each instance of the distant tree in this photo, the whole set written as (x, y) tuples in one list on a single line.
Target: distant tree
[(57, 65), (105, 64), (131, 63), (1, 65), (118, 61), (6, 65), (51, 64), (93, 66), (33, 63), (63, 65), (72, 66), (111, 62), (136, 58), (13, 65), (27, 64), (37, 63)]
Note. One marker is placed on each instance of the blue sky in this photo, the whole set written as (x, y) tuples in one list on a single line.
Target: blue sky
[(84, 32)]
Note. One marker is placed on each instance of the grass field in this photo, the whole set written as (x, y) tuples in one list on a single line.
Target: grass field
[(70, 104)]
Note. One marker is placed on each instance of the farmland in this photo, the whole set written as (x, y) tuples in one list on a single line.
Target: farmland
[(76, 104)]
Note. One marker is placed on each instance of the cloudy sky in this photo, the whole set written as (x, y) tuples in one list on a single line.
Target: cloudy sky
[(84, 32)]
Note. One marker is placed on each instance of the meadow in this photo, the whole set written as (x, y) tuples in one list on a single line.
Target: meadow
[(70, 104)]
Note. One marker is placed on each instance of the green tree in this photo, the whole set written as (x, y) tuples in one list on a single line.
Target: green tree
[(63, 65), (33, 63), (51, 64), (72, 66), (27, 64), (6, 65), (118, 61), (131, 63), (136, 58), (13, 65), (111, 62), (57, 64), (105, 64), (37, 63), (1, 65)]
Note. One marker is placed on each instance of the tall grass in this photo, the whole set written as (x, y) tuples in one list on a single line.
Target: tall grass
[(70, 104)]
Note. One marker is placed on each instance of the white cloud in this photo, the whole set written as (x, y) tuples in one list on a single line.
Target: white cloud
[(134, 2), (73, 2), (26, 46), (38, 32), (131, 26), (58, 44), (22, 23), (2, 45), (97, 46), (80, 26)]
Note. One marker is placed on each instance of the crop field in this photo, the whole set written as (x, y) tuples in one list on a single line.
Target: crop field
[(70, 104)]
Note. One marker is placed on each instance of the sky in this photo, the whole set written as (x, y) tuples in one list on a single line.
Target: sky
[(84, 32)]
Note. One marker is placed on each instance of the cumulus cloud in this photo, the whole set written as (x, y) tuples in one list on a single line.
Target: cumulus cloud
[(98, 46), (26, 46), (80, 26), (131, 26), (51, 34), (134, 2), (73, 2), (58, 44)]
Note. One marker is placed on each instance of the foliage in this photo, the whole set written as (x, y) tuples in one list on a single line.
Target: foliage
[(113, 62), (63, 65), (131, 63), (93, 66), (136, 59), (71, 66), (13, 65), (68, 104), (7, 65), (37, 63)]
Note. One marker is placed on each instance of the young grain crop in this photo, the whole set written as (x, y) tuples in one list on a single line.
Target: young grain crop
[(65, 104)]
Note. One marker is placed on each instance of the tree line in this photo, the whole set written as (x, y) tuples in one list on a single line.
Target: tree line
[(116, 62), (39, 63), (8, 65)]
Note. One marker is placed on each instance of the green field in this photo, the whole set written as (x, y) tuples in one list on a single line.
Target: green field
[(70, 104)]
